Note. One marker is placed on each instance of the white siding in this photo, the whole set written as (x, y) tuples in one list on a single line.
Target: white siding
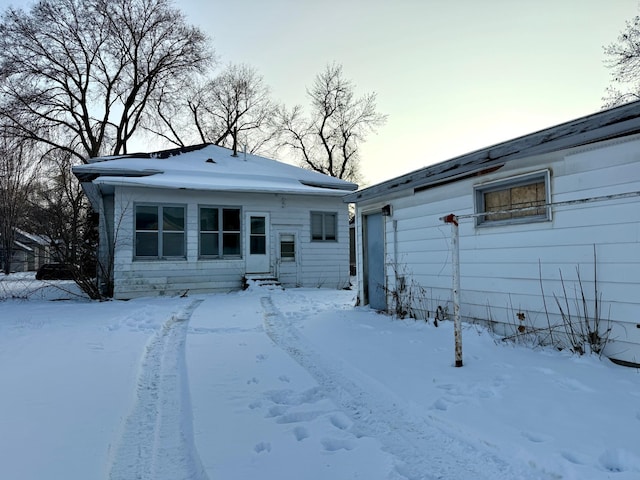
[(318, 264), (503, 267)]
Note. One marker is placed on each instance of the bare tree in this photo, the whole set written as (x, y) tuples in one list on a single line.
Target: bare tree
[(623, 58), (79, 75), (328, 140), (60, 212), (17, 175), (233, 107)]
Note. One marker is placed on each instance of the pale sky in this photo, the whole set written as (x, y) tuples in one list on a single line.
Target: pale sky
[(452, 75)]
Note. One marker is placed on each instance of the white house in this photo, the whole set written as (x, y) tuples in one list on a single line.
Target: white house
[(200, 219), (541, 219), (29, 252)]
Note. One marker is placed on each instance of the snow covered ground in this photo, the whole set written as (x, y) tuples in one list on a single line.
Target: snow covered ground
[(292, 384)]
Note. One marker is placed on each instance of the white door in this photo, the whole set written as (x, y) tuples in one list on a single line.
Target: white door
[(257, 243)]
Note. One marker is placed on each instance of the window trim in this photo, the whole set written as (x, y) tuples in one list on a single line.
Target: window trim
[(480, 190), (160, 231), (220, 232), (324, 215), (290, 239)]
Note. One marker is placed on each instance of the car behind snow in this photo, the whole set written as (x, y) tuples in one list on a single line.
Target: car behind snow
[(54, 271)]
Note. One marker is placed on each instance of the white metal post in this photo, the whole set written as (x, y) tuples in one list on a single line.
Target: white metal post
[(455, 266)]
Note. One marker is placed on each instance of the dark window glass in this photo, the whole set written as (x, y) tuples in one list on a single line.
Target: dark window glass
[(323, 226), (155, 239), (146, 244), (231, 244), (219, 231), (287, 248), (231, 220), (208, 219), (258, 245), (316, 226), (172, 244), (329, 226), (209, 244), (146, 217), (257, 225), (173, 219)]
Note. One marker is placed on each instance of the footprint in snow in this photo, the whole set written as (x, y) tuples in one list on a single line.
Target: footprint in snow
[(262, 447), (573, 385), (619, 460), (440, 404), (284, 378), (340, 421), (300, 433), (296, 417), (261, 357), (335, 444), (574, 458), (536, 437), (289, 397), (276, 411), (544, 370)]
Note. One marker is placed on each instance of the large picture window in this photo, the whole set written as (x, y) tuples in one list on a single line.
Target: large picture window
[(160, 231), (520, 199), (323, 226), (219, 232)]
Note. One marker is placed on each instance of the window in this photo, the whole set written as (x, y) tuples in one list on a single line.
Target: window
[(514, 200), (287, 248), (323, 226), (258, 236), (219, 232), (159, 231)]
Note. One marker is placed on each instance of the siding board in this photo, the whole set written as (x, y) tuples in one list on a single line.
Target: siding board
[(501, 266), (321, 263)]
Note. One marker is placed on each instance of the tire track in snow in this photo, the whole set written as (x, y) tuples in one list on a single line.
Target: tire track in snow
[(157, 437), (422, 450)]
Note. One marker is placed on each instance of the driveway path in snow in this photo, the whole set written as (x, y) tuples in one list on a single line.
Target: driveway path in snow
[(157, 436), (422, 450)]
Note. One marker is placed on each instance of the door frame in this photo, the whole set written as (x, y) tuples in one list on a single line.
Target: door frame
[(372, 285), (257, 263)]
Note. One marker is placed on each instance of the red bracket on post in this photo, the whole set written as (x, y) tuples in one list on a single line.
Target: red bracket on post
[(451, 218)]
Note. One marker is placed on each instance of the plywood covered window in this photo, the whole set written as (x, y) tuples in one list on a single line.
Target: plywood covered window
[(519, 199), (159, 231)]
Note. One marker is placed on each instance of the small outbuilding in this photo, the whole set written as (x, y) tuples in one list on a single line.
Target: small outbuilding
[(29, 252), (548, 229), (204, 219)]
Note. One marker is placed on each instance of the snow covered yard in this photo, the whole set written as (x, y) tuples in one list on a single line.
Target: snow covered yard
[(294, 384)]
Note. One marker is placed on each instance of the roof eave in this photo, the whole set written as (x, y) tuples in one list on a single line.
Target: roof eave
[(601, 126)]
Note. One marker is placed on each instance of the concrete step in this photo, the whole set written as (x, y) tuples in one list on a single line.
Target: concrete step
[(263, 280)]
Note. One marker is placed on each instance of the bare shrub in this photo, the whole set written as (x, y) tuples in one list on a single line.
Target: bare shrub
[(578, 324)]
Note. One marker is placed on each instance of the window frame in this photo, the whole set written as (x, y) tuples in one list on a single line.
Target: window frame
[(220, 232), (160, 232), (324, 216), (288, 239), (532, 178)]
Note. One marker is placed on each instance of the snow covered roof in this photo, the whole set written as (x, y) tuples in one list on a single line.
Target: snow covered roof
[(209, 167), (39, 239), (22, 246), (597, 127)]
